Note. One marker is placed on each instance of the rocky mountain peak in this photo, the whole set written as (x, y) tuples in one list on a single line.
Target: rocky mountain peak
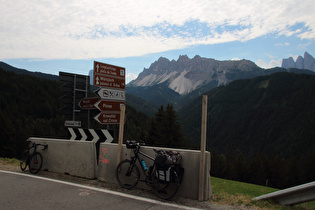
[(186, 75), (308, 62)]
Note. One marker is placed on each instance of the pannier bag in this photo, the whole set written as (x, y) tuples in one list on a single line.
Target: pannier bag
[(164, 175), (165, 158), (165, 162)]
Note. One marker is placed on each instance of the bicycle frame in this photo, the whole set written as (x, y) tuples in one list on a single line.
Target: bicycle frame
[(136, 157)]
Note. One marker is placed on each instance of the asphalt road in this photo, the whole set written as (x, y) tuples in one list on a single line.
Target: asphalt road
[(25, 191)]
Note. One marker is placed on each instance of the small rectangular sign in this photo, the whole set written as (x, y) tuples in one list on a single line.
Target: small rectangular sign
[(69, 123)]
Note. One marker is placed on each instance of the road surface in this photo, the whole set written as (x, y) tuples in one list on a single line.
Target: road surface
[(25, 191)]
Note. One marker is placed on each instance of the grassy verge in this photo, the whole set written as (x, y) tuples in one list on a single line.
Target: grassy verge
[(240, 193), (9, 161)]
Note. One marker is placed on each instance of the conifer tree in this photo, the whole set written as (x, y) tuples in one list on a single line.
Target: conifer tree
[(165, 129)]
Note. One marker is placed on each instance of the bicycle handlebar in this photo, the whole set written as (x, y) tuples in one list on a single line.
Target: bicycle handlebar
[(35, 145), (134, 144)]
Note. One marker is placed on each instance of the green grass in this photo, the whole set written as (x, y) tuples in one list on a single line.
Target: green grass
[(240, 193), (9, 161)]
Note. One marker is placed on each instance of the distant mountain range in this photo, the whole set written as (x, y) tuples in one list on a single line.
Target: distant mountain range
[(308, 62), (8, 67), (178, 82)]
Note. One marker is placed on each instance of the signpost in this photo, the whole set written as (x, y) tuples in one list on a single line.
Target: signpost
[(111, 80)]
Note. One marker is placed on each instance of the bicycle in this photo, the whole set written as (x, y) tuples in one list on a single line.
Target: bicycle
[(164, 180), (33, 159)]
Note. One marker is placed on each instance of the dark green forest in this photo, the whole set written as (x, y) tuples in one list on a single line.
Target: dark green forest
[(29, 107), (260, 130)]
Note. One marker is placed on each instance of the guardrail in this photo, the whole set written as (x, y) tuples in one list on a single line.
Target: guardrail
[(292, 196)]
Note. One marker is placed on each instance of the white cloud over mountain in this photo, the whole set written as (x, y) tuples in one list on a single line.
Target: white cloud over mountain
[(81, 29)]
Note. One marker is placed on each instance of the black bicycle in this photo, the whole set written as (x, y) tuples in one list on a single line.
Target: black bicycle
[(163, 178), (30, 157)]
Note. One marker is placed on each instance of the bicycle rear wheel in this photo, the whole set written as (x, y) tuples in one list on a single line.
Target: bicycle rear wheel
[(165, 189), (24, 160), (127, 174), (36, 163)]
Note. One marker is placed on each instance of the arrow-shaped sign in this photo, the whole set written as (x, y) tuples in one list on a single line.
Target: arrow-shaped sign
[(88, 103), (108, 118), (111, 94), (96, 136), (105, 105), (84, 136), (109, 137)]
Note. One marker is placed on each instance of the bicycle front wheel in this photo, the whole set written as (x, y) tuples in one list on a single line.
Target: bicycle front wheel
[(165, 189), (24, 160), (36, 163), (127, 174)]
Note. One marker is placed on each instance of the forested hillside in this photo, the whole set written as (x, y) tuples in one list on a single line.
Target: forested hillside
[(260, 130), (29, 107), (259, 122)]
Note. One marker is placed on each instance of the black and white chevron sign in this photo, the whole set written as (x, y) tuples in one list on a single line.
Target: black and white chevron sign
[(90, 135)]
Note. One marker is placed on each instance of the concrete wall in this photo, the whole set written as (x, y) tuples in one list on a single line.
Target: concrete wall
[(76, 158), (190, 162)]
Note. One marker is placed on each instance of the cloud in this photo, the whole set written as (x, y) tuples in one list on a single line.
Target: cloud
[(272, 63), (282, 44), (130, 77), (81, 29)]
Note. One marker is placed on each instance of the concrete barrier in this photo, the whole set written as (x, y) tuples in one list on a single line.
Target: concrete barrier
[(76, 158), (190, 162)]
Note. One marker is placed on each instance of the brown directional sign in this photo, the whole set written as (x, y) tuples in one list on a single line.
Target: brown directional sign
[(110, 82), (106, 75), (88, 103), (111, 79), (108, 118), (104, 105), (109, 70)]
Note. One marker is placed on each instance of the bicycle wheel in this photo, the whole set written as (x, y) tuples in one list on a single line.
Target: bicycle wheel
[(127, 174), (165, 189), (24, 160), (36, 163)]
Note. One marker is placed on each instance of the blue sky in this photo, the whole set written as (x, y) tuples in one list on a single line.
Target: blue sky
[(62, 35)]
